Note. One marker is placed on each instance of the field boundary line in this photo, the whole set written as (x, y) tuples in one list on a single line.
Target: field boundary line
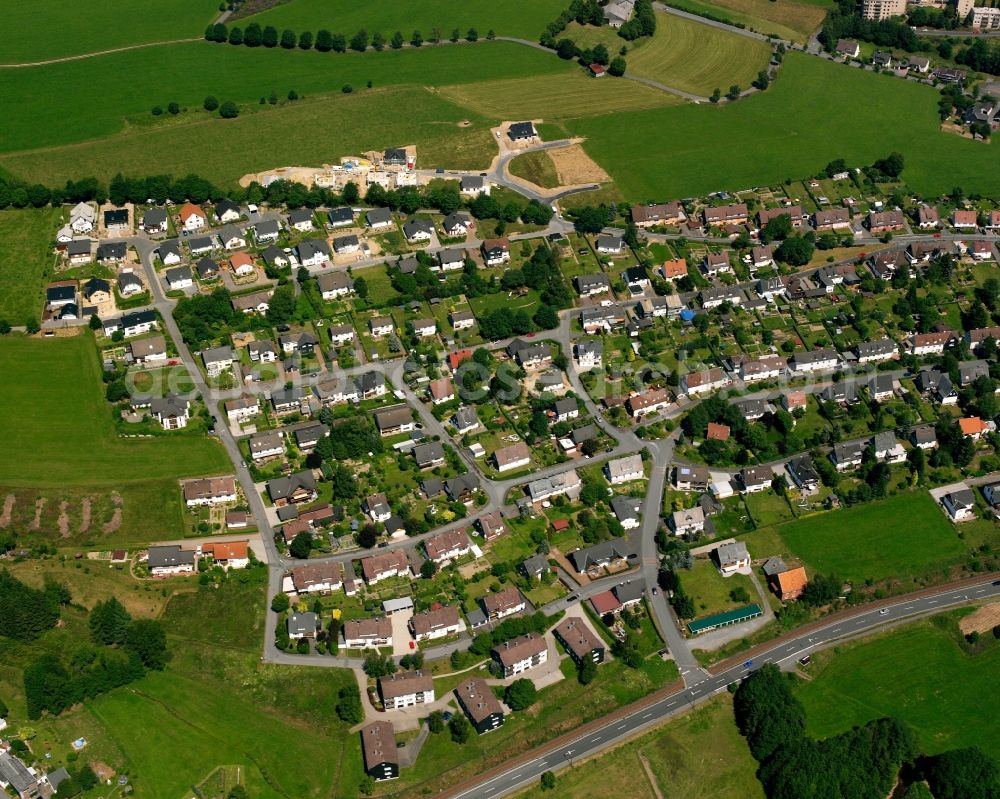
[(81, 56)]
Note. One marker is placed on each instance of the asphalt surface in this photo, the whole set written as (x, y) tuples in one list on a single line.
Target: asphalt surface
[(785, 654)]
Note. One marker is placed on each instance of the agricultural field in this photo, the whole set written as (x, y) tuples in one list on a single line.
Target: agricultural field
[(47, 29), (905, 537), (445, 15), (72, 102), (684, 54), (786, 131), (349, 124), (56, 418), (793, 20), (919, 674), (25, 260), (698, 756), (556, 97)]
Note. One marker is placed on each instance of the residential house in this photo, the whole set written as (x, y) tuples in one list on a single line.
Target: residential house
[(521, 131), (313, 252), (592, 285), (389, 564), (461, 320), (379, 218), (491, 525), (815, 361), (474, 185), (847, 455), (716, 262), (295, 489), (886, 221), (793, 212), (970, 371), (579, 640), (654, 307), (673, 269), (689, 521), (789, 584), (210, 491), (960, 504), (692, 478), (380, 326), (217, 360), (832, 219), (566, 483), (232, 237), (395, 419), (227, 211), (732, 214), (505, 602), (378, 745), (416, 230), (732, 558), (793, 400), (928, 217), (228, 554), (881, 387), (149, 350), (509, 458), (975, 338), (624, 470), (754, 479), (441, 390), (931, 343), (924, 436), (116, 222), (340, 217), (309, 435), (301, 219), (262, 351), (627, 510), (520, 654), (202, 245), (495, 251), (451, 259), (170, 559), (275, 257), (192, 217), (610, 245), (715, 296), (973, 427), (846, 47), (535, 567), (455, 225), (83, 218), (171, 411), (242, 409), (207, 269), (179, 278), (769, 367), (883, 349), (480, 704), (650, 401), (369, 632), (304, 342), (435, 623), (588, 354), (696, 383), (340, 335), (600, 555), (447, 546), (965, 220), (803, 473), (267, 232), (266, 445), (646, 216), (242, 265), (129, 284), (565, 409), (887, 448), (529, 356), (79, 251)]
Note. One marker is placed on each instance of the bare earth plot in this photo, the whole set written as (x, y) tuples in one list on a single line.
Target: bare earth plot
[(574, 166)]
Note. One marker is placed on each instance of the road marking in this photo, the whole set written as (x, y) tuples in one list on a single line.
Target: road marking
[(908, 607), (646, 715)]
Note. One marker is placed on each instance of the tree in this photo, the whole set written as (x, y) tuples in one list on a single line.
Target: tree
[(460, 728), (472, 35), (520, 694), (210, 103), (229, 110), (417, 39), (716, 95), (795, 251), (587, 671), (324, 41), (280, 603), (238, 792), (359, 41), (367, 537), (763, 80), (157, 110), (116, 391), (890, 166), (767, 713), (288, 39), (31, 325), (269, 38), (281, 309), (306, 40), (617, 67), (548, 781), (253, 36), (109, 622), (349, 708), (428, 569), (301, 546), (435, 722), (146, 638), (396, 41), (378, 42), (733, 93), (236, 36)]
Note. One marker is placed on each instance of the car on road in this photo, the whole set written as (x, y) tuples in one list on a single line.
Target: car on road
[(572, 598), (883, 612), (655, 591), (252, 209)]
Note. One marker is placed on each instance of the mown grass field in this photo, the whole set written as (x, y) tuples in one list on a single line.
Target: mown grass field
[(38, 31), (684, 54), (903, 537), (814, 112), (528, 21), (556, 96), (214, 705), (536, 167), (313, 131), (25, 258), (918, 674), (698, 756), (76, 101), (787, 19), (58, 423), (710, 590)]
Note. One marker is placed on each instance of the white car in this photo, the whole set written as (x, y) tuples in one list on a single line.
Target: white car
[(252, 209)]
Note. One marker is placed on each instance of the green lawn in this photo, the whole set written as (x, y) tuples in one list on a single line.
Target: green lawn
[(31, 32), (685, 54), (25, 260), (445, 15), (815, 111), (918, 674), (58, 422), (787, 19), (710, 590), (698, 756), (536, 167), (903, 537), (71, 102)]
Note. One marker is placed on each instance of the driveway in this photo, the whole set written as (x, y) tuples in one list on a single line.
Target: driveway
[(401, 632)]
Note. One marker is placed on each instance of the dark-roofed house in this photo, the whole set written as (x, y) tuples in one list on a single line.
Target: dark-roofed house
[(599, 555), (428, 455), (480, 704), (15, 774), (875, 351), (645, 216), (803, 473), (396, 419), (535, 566), (340, 217), (580, 641), (520, 131), (312, 252), (296, 489), (590, 285), (755, 478), (303, 625), (847, 455), (378, 743), (378, 218), (170, 559), (155, 220), (960, 504)]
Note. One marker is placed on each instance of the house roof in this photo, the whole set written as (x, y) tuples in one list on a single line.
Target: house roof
[(477, 699), (717, 432), (378, 743), (577, 636), (972, 425), (792, 580), (403, 683), (169, 555)]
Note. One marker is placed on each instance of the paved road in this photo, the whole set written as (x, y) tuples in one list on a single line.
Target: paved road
[(562, 753)]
